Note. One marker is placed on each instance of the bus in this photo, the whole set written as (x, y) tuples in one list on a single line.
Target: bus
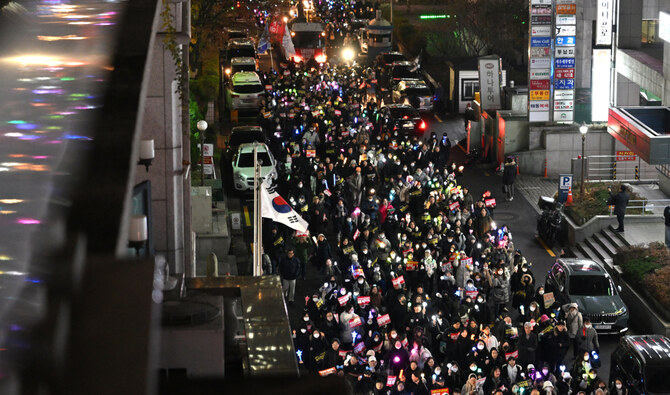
[(309, 41)]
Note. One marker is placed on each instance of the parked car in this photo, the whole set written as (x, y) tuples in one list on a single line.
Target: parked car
[(241, 64), (642, 364), (403, 70), (402, 119), (231, 33), (244, 91), (390, 57), (587, 283), (240, 48), (243, 165), (244, 135), (406, 90)]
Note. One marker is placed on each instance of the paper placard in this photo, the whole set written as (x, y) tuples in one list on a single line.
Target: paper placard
[(454, 206), (363, 300), (549, 299), (490, 202), (514, 354), (311, 153), (411, 265), (383, 320), (466, 261), (326, 372), (355, 322), (359, 348), (398, 281), (390, 381), (342, 300)]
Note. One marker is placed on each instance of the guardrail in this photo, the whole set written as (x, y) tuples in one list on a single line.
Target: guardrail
[(605, 168), (647, 207)]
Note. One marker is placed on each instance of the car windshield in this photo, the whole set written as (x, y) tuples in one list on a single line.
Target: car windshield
[(248, 88), (241, 52), (402, 112), (308, 40), (241, 137), (247, 159), (390, 58), (403, 72), (243, 67), (420, 92), (658, 379), (591, 286)]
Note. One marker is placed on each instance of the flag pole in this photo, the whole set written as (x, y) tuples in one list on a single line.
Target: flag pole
[(257, 215)]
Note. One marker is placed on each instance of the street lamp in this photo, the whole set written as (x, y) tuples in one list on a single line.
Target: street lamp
[(583, 129), (202, 126)]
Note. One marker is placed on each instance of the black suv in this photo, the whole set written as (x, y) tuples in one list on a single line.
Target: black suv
[(402, 119), (586, 283), (642, 363)]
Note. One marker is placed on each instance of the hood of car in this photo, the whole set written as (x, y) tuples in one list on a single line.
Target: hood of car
[(248, 172), (598, 304)]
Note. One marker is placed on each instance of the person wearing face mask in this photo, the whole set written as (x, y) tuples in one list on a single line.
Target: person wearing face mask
[(525, 291), (330, 327), (478, 355), (545, 375), (454, 377), (317, 352), (587, 339), (527, 344), (488, 338), (301, 342), (512, 371), (500, 291), (345, 317), (573, 321), (580, 369), (617, 387), (397, 358)]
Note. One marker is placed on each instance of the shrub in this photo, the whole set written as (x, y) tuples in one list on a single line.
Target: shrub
[(647, 269), (594, 202)]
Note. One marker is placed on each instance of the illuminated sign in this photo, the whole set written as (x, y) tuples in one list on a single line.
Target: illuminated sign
[(564, 52), (540, 41), (566, 19), (565, 41), (432, 16), (540, 10), (566, 9), (540, 31), (600, 84), (563, 104), (540, 52), (563, 116), (539, 95), (540, 20), (540, 84), (565, 63), (489, 82), (566, 30), (625, 156), (540, 74), (604, 23), (539, 105), (564, 73), (564, 94), (540, 63), (664, 26), (564, 84)]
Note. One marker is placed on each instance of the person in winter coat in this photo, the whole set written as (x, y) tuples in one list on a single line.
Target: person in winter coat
[(620, 202), (500, 291), (330, 327), (527, 345), (356, 188), (587, 338), (509, 175), (573, 321), (494, 380), (289, 269), (557, 344), (347, 315), (317, 352), (512, 371), (483, 223)]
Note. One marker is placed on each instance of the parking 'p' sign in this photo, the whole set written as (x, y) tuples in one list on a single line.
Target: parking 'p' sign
[(564, 184)]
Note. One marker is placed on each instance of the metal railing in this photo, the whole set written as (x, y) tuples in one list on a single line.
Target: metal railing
[(608, 168), (645, 207)]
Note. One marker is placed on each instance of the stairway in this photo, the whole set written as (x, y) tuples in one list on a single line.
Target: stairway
[(600, 247)]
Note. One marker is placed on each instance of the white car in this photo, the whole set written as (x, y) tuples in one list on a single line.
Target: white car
[(243, 165), (244, 90)]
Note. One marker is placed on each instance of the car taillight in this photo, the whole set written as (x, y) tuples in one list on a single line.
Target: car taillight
[(297, 58), (234, 96), (320, 58), (422, 125), (405, 117)]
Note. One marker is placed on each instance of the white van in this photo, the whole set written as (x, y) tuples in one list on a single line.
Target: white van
[(244, 90), (241, 64)]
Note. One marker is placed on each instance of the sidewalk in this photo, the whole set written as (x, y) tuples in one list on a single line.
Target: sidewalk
[(532, 187)]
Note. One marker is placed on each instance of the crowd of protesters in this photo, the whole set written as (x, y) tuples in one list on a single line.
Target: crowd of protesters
[(421, 289)]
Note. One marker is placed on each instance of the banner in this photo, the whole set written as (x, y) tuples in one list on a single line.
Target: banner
[(326, 372), (342, 300), (355, 322), (390, 381), (514, 354), (489, 82), (275, 207), (383, 320), (548, 299), (363, 300), (440, 391), (398, 281)]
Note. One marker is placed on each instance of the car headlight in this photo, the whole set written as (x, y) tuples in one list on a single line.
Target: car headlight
[(240, 177), (622, 311)]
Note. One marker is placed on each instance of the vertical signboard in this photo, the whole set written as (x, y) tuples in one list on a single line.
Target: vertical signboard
[(604, 23), (664, 26), (600, 83), (565, 39), (540, 60), (489, 82)]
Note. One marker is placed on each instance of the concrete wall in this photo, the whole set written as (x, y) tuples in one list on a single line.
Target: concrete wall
[(629, 34), (650, 9), (586, 14), (162, 123), (627, 92), (665, 7)]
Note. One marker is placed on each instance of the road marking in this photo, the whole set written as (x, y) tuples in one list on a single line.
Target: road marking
[(546, 247), (246, 215), (438, 118)]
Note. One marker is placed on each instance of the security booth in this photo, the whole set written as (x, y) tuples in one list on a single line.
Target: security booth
[(646, 132), (464, 83), (379, 36)]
